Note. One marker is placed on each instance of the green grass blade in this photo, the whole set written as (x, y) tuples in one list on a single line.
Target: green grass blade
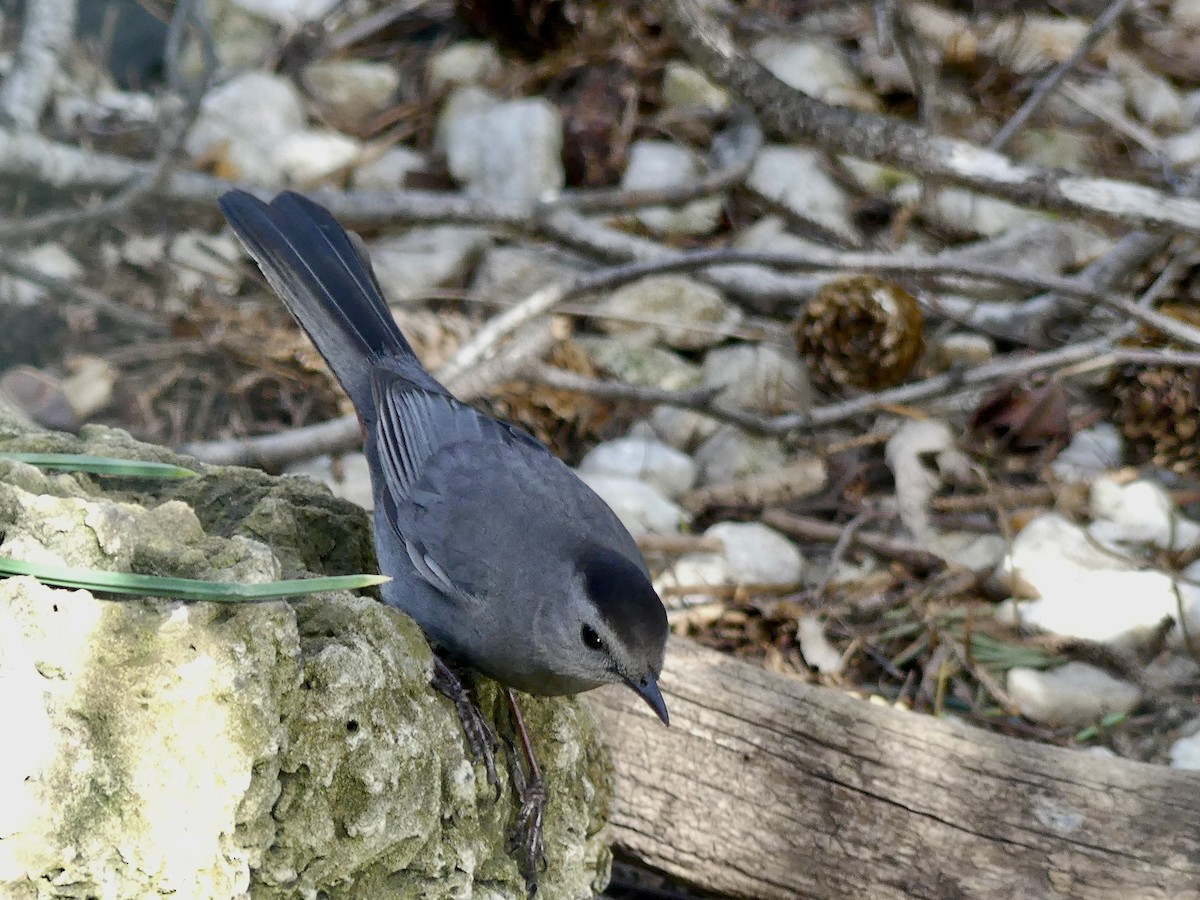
[(101, 465), (184, 588)]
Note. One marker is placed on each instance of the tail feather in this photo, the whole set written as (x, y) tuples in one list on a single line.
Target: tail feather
[(324, 276)]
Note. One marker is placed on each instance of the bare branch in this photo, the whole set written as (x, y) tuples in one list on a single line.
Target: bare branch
[(49, 27), (794, 116), (170, 142), (144, 323), (274, 451), (735, 149), (1047, 85)]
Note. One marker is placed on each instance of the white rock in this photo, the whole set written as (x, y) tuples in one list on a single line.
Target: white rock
[(352, 89), (200, 259), (467, 62), (759, 378), (686, 87), (1185, 752), (512, 273), (1183, 149), (963, 348), (1091, 452), (350, 480), (410, 266), (655, 165), (794, 178), (388, 171), (1120, 608), (758, 554), (683, 429), (731, 454), (629, 358), (694, 570), (241, 39), (244, 120), (1185, 14), (651, 461), (1140, 513), (1053, 148), (1154, 100), (1168, 673), (968, 549), (770, 235), (1051, 551), (49, 259), (1027, 42), (143, 250), (1038, 246), (1101, 92), (1073, 695), (815, 647), (964, 211), (90, 386), (640, 507), (672, 302), (289, 13), (816, 68), (1191, 105), (508, 150), (310, 155)]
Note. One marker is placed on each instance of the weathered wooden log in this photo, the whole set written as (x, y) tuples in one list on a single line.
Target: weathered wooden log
[(767, 787)]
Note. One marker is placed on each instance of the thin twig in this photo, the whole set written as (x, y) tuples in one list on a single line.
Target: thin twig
[(1147, 139), (841, 547), (699, 399), (1104, 22), (809, 529), (1014, 366), (892, 18)]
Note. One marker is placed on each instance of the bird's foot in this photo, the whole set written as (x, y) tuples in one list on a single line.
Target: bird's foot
[(480, 736), (527, 840), (527, 844)]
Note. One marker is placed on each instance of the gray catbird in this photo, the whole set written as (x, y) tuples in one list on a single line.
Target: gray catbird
[(509, 562)]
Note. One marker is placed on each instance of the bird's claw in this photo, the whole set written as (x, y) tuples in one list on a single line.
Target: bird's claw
[(480, 736), (527, 843)]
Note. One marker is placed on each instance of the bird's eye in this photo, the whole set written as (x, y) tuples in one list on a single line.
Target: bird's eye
[(591, 640)]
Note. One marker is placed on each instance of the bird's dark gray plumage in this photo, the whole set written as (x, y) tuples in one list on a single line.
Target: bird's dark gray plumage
[(505, 558)]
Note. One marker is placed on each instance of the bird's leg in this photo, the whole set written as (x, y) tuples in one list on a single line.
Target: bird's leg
[(531, 790), (480, 736)]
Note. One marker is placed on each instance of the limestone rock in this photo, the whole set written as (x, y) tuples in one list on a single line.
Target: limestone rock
[(269, 750)]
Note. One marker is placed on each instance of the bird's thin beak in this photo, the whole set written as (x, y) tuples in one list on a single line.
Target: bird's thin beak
[(647, 688)]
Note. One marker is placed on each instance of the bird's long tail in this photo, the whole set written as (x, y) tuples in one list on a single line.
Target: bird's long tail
[(322, 273)]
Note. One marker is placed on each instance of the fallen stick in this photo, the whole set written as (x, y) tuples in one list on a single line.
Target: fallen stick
[(767, 787)]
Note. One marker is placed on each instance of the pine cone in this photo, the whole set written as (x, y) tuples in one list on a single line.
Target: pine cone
[(1157, 408), (861, 332)]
